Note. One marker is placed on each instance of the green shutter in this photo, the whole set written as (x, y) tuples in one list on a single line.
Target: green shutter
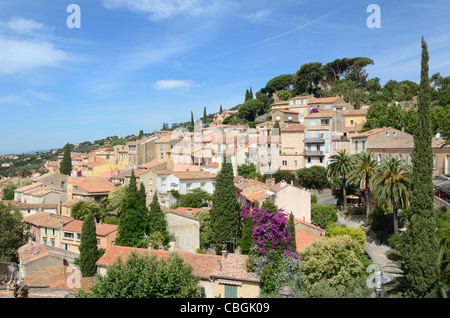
[(230, 291)]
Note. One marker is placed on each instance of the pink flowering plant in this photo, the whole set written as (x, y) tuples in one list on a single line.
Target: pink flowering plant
[(271, 255)]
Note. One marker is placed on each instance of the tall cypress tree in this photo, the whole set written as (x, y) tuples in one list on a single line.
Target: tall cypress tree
[(291, 229), (220, 109), (133, 220), (421, 248), (65, 166), (157, 220), (88, 247), (204, 115), (225, 207)]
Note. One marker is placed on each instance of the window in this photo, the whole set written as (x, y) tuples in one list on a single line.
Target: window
[(435, 162), (312, 122), (327, 107), (230, 291), (163, 181), (66, 246), (327, 148), (188, 186), (335, 145), (344, 145), (289, 117), (161, 147), (284, 163), (309, 159), (352, 122), (53, 232), (162, 155), (150, 181), (98, 242), (277, 118), (301, 112), (45, 230), (202, 185), (78, 236), (287, 139), (379, 158), (68, 235)]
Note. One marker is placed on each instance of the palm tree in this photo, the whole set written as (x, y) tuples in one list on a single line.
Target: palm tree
[(25, 172), (341, 166), (391, 184), (365, 168)]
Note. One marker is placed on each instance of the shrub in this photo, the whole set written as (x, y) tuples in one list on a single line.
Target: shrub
[(322, 214)]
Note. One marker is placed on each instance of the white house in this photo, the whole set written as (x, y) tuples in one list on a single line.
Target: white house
[(184, 181)]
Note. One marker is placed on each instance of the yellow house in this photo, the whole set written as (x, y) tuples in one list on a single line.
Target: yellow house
[(71, 235), (66, 207), (354, 117), (46, 227), (292, 147)]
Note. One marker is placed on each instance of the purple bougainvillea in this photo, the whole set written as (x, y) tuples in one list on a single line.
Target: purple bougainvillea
[(270, 231)]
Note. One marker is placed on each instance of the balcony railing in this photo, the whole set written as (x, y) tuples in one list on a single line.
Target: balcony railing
[(314, 140), (311, 153)]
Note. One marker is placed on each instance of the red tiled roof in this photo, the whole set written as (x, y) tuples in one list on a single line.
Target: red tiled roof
[(46, 219), (304, 238), (202, 264), (93, 184), (294, 127), (234, 266), (325, 100), (101, 229)]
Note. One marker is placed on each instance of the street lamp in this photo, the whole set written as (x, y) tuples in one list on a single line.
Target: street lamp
[(286, 291)]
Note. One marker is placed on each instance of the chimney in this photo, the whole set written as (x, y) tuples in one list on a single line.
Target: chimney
[(224, 254), (238, 250), (219, 265), (150, 246)]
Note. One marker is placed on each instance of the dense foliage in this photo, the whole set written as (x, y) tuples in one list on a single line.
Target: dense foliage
[(13, 232), (143, 276), (88, 247)]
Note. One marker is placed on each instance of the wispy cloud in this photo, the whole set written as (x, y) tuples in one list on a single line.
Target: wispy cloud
[(298, 28), (26, 26), (259, 16), (171, 84), (164, 9)]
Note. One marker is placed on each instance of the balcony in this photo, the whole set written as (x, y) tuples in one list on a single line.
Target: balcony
[(310, 153), (314, 140)]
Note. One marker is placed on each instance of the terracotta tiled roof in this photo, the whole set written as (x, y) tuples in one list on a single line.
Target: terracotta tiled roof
[(101, 229), (162, 172), (371, 132), (70, 203), (234, 266), (152, 164), (328, 113), (184, 210), (24, 205), (294, 127), (353, 112), (202, 264), (406, 143), (29, 187), (325, 100), (299, 97), (32, 251), (212, 164), (46, 219), (190, 175), (39, 191), (93, 184), (304, 238)]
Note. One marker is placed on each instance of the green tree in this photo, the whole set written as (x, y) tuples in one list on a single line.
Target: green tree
[(341, 166), (314, 177), (205, 228), (88, 247), (24, 173), (421, 251), (391, 184), (308, 77), (157, 220), (14, 232), (251, 109), (365, 167), (246, 240), (225, 207), (323, 214), (8, 191), (144, 276), (115, 198), (205, 118), (278, 83), (65, 167), (220, 109), (291, 229), (133, 221), (333, 259), (81, 209), (245, 170)]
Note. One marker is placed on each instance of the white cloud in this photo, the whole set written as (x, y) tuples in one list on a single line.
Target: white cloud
[(25, 26), (163, 9), (258, 16), (171, 84), (17, 56)]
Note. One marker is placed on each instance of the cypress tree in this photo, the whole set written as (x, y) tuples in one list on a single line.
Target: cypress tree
[(220, 109), (250, 93), (157, 220), (247, 95), (191, 128), (65, 166), (225, 207), (421, 248), (204, 115), (142, 196), (291, 229), (246, 240), (88, 247), (133, 220)]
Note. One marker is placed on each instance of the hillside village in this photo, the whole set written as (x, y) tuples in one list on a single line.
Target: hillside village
[(299, 132)]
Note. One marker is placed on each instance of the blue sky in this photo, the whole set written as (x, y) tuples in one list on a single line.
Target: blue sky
[(135, 64)]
